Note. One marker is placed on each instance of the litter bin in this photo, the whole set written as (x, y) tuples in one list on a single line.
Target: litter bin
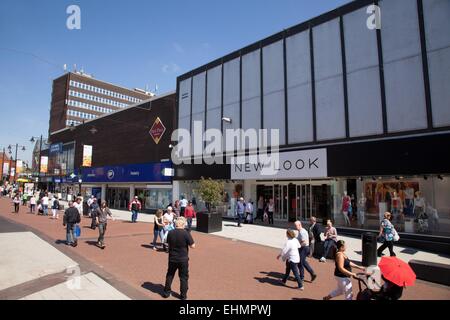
[(208, 222), (369, 249)]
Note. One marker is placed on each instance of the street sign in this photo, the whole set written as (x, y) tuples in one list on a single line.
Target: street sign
[(72, 176)]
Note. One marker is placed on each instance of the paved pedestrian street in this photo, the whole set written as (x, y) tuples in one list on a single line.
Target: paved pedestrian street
[(221, 268)]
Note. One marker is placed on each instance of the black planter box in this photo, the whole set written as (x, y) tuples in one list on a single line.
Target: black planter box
[(209, 222)]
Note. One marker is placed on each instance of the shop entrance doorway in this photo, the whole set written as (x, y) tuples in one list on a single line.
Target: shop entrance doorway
[(118, 198), (298, 201)]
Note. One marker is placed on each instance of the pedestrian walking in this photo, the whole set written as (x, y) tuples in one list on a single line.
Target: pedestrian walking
[(249, 211), (290, 254), (177, 208), (24, 199), (134, 207), (189, 214), (303, 238), (330, 240), (183, 205), (314, 235), (239, 210), (388, 234), (89, 203), (33, 204), (260, 209), (44, 202), (158, 228), (168, 227), (55, 207), (71, 218), (102, 220), (79, 205), (270, 210), (16, 203), (343, 273), (179, 241), (93, 208)]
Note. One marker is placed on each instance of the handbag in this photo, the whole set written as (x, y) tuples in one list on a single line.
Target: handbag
[(77, 231), (396, 236)]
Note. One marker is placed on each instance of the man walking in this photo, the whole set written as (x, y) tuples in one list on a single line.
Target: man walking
[(134, 207), (183, 205), (179, 241), (189, 214), (303, 238), (239, 210), (71, 218), (102, 218)]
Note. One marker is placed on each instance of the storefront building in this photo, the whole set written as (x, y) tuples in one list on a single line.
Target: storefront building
[(117, 156), (368, 107)]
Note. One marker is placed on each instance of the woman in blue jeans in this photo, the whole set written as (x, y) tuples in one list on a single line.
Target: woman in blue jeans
[(158, 229), (291, 255), (330, 240)]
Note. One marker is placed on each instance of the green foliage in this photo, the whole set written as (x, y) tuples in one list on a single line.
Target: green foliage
[(211, 191)]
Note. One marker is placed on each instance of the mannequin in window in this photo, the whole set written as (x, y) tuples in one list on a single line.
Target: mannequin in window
[(346, 202), (409, 200), (362, 209), (396, 206), (419, 207)]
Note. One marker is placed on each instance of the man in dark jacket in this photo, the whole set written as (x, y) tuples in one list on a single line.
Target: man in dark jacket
[(71, 218), (314, 236)]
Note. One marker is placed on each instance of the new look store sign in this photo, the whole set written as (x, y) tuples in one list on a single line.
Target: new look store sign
[(307, 164), (147, 172)]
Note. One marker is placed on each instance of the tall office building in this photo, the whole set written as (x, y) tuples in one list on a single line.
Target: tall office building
[(78, 97)]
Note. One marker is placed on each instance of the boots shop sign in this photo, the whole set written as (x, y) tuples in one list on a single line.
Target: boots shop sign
[(287, 165)]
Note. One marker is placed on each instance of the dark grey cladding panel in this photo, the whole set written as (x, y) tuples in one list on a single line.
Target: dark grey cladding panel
[(412, 156)]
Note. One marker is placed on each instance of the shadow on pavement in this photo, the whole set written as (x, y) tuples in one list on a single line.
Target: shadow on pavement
[(60, 241), (230, 225), (158, 289), (303, 299)]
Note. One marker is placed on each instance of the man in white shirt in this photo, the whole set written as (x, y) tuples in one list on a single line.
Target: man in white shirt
[(303, 238), (79, 205), (183, 205)]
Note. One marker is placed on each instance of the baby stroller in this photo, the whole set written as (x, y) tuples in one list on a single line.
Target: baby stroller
[(389, 291)]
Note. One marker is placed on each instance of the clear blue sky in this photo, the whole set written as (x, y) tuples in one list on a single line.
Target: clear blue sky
[(131, 43)]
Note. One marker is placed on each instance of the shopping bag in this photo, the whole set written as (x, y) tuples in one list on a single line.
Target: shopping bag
[(77, 231)]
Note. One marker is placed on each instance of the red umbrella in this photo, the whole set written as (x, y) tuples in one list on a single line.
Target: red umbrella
[(397, 271)]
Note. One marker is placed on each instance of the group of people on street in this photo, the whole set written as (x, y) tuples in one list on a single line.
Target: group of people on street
[(302, 243)]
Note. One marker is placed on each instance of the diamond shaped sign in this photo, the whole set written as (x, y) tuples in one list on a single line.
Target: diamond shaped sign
[(157, 130)]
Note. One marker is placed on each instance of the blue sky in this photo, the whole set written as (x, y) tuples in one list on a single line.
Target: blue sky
[(131, 43)]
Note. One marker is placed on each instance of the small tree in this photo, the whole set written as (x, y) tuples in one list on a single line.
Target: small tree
[(211, 192)]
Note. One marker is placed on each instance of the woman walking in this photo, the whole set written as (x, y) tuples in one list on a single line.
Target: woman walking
[(55, 207), (291, 255), (343, 273), (33, 204), (16, 202), (102, 219), (388, 234), (158, 229)]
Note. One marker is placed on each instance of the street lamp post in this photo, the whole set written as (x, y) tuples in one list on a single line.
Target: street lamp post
[(80, 181)]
